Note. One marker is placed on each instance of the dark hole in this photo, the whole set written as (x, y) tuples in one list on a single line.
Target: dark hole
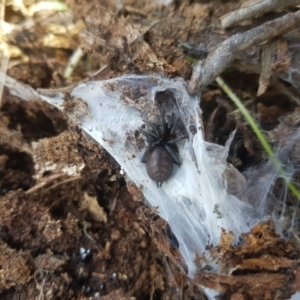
[(58, 212), (157, 294), (37, 119), (18, 172)]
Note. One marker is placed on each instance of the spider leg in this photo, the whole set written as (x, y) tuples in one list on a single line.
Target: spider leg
[(171, 121), (150, 140), (157, 142), (174, 126), (163, 122), (148, 134), (152, 137), (143, 159), (154, 127), (176, 140), (174, 155)]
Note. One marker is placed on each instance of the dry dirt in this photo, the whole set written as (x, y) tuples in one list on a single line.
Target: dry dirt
[(88, 235)]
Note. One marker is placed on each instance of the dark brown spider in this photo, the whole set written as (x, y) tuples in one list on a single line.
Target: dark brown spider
[(162, 151)]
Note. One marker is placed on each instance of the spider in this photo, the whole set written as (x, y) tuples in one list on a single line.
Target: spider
[(162, 151)]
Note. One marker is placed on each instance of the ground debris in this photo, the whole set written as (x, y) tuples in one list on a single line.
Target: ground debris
[(14, 267), (263, 260), (67, 249), (70, 226), (163, 236)]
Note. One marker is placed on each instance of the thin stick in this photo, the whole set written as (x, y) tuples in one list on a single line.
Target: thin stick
[(3, 52), (254, 10), (73, 62), (3, 68), (2, 11), (46, 182), (87, 225), (206, 71)]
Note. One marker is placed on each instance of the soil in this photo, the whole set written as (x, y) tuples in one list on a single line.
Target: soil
[(71, 237), (70, 226)]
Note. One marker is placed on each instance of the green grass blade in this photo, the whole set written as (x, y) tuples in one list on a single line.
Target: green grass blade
[(259, 134)]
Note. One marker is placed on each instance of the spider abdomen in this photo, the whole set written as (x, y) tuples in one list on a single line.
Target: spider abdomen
[(159, 164)]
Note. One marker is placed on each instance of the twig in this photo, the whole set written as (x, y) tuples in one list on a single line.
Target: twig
[(291, 92), (4, 55), (63, 182), (206, 71), (23, 91), (87, 225), (255, 9), (2, 11), (3, 68), (48, 184), (41, 286), (48, 181), (73, 62)]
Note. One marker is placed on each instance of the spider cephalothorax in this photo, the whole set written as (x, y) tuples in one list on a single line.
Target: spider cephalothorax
[(162, 151)]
